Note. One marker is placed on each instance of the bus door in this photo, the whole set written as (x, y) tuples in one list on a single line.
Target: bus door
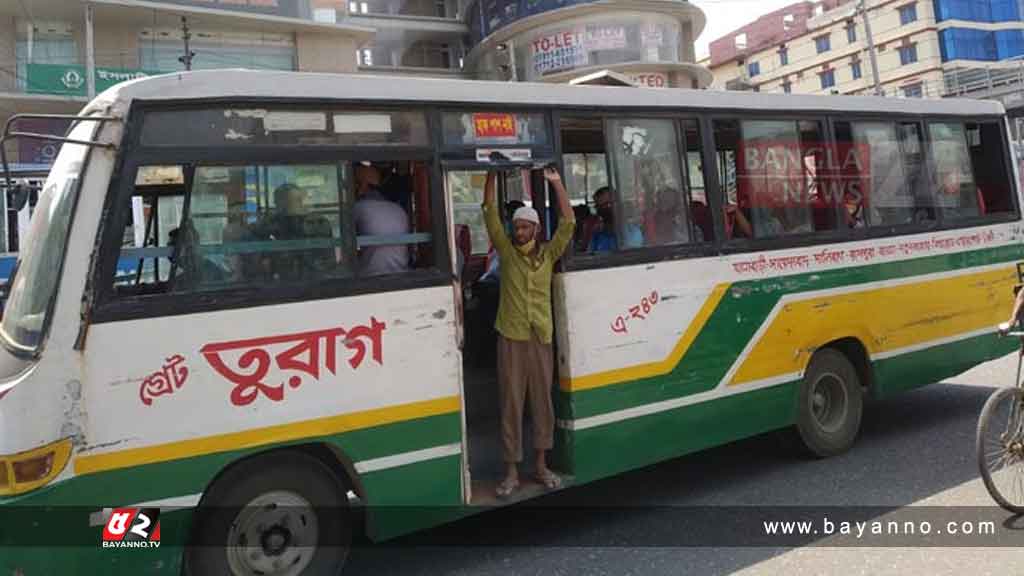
[(476, 266)]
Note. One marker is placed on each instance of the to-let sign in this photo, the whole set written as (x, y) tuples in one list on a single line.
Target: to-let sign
[(494, 125)]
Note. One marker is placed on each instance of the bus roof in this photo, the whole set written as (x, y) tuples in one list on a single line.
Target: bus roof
[(243, 84)]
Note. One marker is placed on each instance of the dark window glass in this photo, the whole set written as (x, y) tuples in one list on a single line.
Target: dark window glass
[(855, 70), (908, 14), (851, 32), (753, 69), (263, 126), (823, 43), (913, 91), (908, 54), (828, 79), (783, 56)]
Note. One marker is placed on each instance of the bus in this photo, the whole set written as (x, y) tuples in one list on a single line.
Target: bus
[(249, 390)]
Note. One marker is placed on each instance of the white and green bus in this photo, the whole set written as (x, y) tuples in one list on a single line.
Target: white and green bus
[(182, 333)]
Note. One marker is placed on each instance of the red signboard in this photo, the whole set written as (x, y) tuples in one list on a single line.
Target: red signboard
[(494, 125)]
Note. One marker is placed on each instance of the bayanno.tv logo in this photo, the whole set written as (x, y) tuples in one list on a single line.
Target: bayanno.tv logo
[(132, 528)]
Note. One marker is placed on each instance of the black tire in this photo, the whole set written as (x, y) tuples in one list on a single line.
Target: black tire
[(223, 510), (999, 448), (829, 405)]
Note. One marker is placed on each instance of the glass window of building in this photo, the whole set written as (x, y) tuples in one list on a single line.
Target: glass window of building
[(855, 69), (828, 79), (783, 56), (851, 31), (753, 69), (908, 14), (908, 54), (823, 43), (160, 50), (42, 52), (913, 91)]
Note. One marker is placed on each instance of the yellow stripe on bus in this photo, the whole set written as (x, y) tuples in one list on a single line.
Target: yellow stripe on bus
[(900, 316), (651, 369), (263, 436)]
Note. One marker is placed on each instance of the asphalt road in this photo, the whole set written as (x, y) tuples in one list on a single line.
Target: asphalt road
[(915, 450)]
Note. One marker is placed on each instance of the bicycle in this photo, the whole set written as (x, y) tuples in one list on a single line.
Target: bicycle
[(1000, 439)]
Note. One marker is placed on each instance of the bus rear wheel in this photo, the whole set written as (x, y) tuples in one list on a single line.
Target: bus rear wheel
[(830, 405), (281, 514)]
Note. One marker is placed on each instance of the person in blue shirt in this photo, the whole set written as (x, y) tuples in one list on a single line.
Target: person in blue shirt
[(603, 237)]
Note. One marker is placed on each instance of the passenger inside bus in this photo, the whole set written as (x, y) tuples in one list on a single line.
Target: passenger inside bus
[(291, 222), (376, 215)]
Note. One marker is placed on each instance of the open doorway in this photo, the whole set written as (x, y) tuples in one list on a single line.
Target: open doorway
[(478, 270)]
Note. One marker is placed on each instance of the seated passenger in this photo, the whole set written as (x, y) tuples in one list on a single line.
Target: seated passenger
[(667, 223), (291, 221), (603, 237), (375, 215)]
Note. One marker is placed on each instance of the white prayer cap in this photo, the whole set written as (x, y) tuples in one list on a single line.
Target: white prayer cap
[(528, 214)]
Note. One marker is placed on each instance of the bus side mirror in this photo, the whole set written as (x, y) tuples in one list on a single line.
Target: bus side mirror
[(19, 197)]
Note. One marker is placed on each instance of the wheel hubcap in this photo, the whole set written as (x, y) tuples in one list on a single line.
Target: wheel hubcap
[(275, 534), (829, 402)]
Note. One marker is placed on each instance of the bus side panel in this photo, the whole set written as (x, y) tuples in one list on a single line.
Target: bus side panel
[(917, 369), (723, 351), (391, 407)]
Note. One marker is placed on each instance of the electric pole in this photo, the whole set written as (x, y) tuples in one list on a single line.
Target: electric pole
[(871, 47), (186, 59)]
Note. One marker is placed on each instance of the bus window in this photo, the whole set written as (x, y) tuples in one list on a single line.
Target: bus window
[(956, 193), (645, 163), (886, 160), (586, 174), (969, 169), (261, 225), (700, 209), (736, 215), (153, 218), (779, 186)]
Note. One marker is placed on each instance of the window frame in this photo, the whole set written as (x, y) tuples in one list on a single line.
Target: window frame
[(575, 261), (741, 245), (783, 56), (830, 73), (111, 307), (851, 31), (823, 40), (908, 13), (986, 219), (908, 54)]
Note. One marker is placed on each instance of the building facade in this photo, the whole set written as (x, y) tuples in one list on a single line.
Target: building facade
[(57, 54), (923, 48)]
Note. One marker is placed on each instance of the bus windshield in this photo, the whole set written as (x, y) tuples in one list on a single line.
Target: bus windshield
[(35, 283)]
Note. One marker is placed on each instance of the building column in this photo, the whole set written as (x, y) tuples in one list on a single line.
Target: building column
[(90, 53)]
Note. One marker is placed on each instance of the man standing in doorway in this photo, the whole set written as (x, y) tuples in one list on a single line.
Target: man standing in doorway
[(524, 325)]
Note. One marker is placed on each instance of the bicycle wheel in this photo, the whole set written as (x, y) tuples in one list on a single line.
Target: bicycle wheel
[(1000, 446)]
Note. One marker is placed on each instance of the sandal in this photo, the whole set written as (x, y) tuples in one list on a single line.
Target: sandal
[(506, 488), (549, 480)]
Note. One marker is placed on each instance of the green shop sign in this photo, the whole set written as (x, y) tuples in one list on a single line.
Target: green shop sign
[(70, 80)]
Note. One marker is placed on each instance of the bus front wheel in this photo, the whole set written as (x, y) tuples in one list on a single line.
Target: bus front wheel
[(829, 405), (280, 514)]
